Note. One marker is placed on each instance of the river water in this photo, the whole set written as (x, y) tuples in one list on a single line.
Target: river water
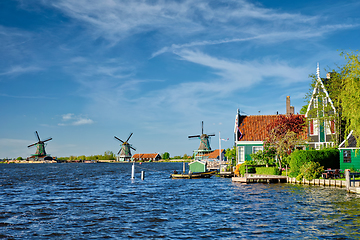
[(83, 201)]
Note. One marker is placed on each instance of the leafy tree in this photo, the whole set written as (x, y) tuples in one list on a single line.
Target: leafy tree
[(349, 93), (230, 155), (185, 156), (266, 156), (304, 109), (165, 155), (109, 155), (285, 133), (19, 158)]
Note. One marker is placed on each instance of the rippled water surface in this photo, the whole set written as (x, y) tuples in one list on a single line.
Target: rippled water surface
[(83, 201)]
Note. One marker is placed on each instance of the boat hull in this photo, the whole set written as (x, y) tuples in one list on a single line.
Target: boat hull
[(193, 175)]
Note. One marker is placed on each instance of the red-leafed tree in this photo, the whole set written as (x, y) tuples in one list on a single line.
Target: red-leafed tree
[(285, 133)]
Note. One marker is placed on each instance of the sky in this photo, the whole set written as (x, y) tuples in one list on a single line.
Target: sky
[(85, 71)]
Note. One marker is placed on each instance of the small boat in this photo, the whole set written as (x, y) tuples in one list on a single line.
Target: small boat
[(193, 175)]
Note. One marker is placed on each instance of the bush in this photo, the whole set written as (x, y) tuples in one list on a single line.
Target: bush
[(328, 158), (267, 171), (312, 170), (249, 164)]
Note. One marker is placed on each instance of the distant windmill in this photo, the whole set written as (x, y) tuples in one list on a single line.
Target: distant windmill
[(204, 139), (125, 153), (40, 146)]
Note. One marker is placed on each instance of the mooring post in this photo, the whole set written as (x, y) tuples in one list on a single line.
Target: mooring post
[(133, 171), (142, 175), (183, 167), (347, 178)]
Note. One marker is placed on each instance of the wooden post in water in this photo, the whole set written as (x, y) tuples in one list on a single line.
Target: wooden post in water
[(142, 175), (133, 171), (347, 178), (183, 167)]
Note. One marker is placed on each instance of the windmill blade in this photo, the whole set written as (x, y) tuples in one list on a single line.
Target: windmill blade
[(37, 135), (133, 148), (129, 137), (119, 151), (32, 145), (47, 140), (202, 127), (194, 136), (211, 135), (119, 139)]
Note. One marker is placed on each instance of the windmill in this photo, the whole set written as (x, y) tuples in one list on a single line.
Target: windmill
[(204, 142), (40, 147), (124, 152)]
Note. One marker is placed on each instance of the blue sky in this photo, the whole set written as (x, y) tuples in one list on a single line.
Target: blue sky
[(83, 71)]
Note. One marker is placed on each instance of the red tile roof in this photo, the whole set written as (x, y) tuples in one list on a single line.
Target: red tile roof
[(214, 154), (145, 155), (253, 128)]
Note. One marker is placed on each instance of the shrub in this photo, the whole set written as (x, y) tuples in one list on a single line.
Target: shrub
[(312, 170), (249, 164), (267, 171), (300, 177), (328, 158)]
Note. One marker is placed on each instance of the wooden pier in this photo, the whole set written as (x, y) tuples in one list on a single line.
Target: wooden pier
[(351, 184), (252, 178)]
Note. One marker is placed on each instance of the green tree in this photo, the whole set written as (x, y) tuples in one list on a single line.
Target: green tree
[(285, 133), (349, 94), (165, 155), (230, 155), (19, 158)]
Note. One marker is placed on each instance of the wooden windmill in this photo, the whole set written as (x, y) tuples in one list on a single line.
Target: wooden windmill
[(124, 152), (40, 147), (204, 142)]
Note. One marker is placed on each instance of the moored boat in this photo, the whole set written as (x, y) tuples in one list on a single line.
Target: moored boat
[(193, 175)]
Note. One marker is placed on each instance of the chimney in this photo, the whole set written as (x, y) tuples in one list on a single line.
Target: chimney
[(289, 109)]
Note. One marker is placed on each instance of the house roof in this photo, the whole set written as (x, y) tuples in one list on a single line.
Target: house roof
[(214, 154), (253, 128), (145, 155), (351, 141), (319, 86)]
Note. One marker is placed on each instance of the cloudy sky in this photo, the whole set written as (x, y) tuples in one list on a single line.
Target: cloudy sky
[(83, 71)]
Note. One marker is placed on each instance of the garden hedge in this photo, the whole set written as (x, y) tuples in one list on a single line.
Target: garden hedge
[(329, 158)]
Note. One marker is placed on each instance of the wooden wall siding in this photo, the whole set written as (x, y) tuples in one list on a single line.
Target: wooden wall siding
[(355, 160)]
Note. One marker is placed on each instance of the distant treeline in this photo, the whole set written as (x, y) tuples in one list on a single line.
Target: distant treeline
[(108, 155)]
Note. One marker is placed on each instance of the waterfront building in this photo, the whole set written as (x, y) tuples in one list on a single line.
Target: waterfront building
[(349, 158), (321, 115), (149, 157)]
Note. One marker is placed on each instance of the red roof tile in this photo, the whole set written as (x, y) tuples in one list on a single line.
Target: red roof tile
[(145, 155), (253, 128), (214, 154)]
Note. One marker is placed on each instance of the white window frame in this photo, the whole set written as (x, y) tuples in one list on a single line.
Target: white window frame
[(240, 154), (255, 149)]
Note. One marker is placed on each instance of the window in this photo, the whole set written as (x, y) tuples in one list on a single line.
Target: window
[(347, 156), (313, 127), (257, 148), (240, 154)]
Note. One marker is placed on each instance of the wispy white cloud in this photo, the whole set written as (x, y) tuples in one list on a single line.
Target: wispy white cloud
[(17, 70), (73, 120)]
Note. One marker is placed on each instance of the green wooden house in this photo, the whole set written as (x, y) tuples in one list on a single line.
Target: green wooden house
[(250, 133), (349, 157), (197, 166)]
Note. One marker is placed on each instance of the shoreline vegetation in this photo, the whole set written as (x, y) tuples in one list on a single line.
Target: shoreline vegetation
[(90, 161)]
